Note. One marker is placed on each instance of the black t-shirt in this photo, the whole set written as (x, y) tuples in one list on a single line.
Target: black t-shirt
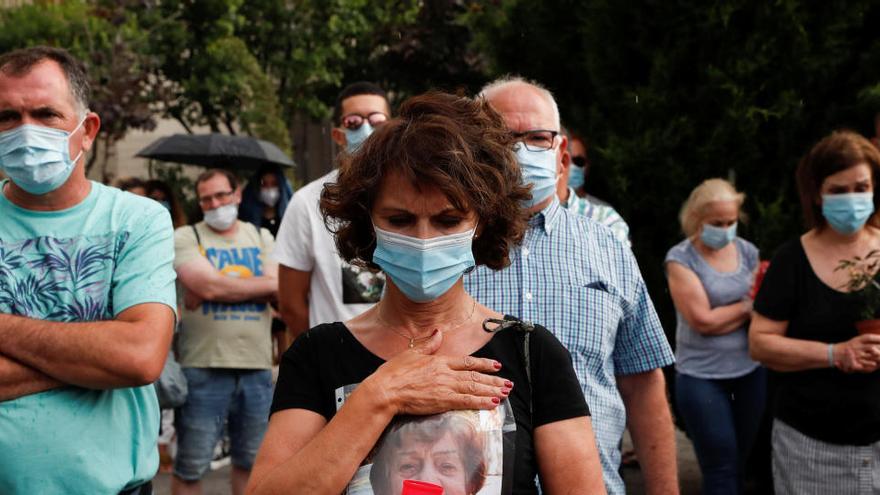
[(328, 357), (825, 404)]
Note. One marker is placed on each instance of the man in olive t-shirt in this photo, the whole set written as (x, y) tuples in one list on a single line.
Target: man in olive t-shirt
[(225, 338)]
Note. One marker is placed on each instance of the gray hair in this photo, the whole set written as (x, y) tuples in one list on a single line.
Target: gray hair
[(20, 62), (510, 80)]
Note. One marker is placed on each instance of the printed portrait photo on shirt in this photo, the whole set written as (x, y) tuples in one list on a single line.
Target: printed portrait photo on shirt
[(461, 451)]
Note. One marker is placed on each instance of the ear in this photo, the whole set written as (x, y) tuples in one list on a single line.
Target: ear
[(338, 136), (90, 126), (563, 157)]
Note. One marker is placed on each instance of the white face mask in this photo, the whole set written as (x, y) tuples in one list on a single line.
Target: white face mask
[(222, 217), (269, 195)]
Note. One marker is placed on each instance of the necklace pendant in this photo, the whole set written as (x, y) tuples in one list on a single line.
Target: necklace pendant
[(412, 343)]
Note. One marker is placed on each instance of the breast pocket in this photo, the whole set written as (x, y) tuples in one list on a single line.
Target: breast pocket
[(598, 311)]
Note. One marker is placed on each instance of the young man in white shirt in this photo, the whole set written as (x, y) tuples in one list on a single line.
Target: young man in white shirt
[(315, 285)]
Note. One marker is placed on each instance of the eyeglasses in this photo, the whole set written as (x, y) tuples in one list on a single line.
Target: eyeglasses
[(580, 161), (220, 196), (354, 121), (537, 140)]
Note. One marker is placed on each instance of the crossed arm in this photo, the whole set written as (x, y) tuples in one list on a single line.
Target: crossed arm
[(38, 355), (690, 299), (206, 283)]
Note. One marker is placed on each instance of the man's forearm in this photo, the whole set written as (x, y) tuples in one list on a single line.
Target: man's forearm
[(126, 352), (235, 290), (18, 380), (650, 425)]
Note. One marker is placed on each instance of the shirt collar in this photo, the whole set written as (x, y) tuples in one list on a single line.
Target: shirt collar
[(571, 195), (548, 217)]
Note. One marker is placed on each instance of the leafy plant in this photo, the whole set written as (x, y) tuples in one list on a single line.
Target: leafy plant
[(862, 282)]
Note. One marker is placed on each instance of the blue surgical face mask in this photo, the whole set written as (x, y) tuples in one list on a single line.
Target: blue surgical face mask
[(847, 213), (539, 169), (354, 138), (717, 237), (424, 269), (575, 176), (37, 158)]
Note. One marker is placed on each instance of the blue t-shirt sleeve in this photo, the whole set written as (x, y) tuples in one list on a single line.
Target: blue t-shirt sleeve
[(679, 254), (144, 271)]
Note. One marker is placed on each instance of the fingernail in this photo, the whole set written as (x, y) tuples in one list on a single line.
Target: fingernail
[(508, 383), (496, 400), (505, 391), (497, 365)]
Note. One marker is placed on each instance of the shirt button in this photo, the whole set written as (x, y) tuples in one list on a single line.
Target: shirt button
[(529, 296), (866, 462), (525, 251)]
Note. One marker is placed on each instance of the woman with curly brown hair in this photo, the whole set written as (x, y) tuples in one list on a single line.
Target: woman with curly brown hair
[(427, 197)]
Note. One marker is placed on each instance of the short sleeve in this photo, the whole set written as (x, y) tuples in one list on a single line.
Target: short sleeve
[(144, 270), (776, 296), (556, 392), (679, 254), (294, 248), (299, 384), (186, 248), (640, 345)]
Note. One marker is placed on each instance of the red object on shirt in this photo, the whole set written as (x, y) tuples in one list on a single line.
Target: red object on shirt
[(413, 487), (759, 277)]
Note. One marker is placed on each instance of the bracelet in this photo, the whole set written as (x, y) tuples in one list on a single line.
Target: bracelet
[(831, 355)]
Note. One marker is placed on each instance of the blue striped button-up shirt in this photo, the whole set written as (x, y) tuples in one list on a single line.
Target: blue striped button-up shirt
[(574, 277)]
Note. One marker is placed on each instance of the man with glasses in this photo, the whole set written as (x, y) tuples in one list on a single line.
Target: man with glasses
[(570, 189), (573, 276), (225, 343), (86, 295), (315, 285)]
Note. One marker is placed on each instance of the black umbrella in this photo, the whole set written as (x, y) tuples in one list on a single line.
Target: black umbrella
[(216, 150)]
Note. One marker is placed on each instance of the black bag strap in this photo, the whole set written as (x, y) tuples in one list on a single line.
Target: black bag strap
[(494, 325), (198, 238)]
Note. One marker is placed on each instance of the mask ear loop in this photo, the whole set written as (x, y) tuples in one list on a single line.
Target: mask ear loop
[(81, 122)]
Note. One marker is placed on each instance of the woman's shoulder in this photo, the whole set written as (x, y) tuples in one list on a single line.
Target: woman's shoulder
[(789, 250), (683, 253), (319, 337), (540, 338), (748, 250)]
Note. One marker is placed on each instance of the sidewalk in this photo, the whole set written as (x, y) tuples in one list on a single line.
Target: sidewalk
[(217, 482)]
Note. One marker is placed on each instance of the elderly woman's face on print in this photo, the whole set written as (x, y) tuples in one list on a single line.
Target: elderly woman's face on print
[(447, 450), (439, 463)]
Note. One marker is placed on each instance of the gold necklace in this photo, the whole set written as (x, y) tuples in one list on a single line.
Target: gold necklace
[(416, 340)]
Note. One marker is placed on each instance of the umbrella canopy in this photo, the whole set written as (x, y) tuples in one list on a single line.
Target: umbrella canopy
[(216, 150)]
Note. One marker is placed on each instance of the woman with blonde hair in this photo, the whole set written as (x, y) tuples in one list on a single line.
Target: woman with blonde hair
[(720, 390)]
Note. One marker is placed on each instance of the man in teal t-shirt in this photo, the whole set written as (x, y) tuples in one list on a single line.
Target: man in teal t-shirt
[(86, 296)]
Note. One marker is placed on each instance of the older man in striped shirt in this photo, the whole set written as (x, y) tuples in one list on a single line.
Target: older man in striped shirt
[(575, 277)]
